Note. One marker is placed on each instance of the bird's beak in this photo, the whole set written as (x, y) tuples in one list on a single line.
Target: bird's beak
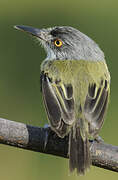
[(33, 31)]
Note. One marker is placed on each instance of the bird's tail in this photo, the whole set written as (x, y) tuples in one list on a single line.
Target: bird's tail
[(79, 153)]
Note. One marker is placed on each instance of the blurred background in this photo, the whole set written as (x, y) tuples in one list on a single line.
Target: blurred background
[(20, 60)]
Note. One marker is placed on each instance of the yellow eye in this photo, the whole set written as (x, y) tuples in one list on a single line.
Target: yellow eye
[(58, 43)]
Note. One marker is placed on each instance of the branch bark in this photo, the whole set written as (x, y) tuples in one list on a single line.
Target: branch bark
[(44, 140)]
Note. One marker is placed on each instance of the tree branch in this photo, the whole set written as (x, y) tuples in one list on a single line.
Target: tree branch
[(44, 140)]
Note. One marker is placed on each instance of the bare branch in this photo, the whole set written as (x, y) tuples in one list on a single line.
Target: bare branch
[(46, 141)]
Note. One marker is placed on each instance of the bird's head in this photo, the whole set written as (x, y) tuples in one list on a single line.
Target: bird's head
[(64, 42)]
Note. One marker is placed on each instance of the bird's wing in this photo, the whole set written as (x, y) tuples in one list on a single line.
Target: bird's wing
[(59, 104), (96, 105)]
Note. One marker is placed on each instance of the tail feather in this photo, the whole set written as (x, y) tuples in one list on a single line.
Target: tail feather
[(79, 153)]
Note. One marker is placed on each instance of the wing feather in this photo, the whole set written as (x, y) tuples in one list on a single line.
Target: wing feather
[(59, 104), (96, 105), (51, 103)]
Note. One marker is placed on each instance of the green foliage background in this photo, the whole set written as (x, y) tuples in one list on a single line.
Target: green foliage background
[(20, 59)]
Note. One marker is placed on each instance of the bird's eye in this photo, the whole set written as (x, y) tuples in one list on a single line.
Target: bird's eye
[(58, 43)]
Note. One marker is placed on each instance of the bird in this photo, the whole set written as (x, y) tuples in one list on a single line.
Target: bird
[(75, 85)]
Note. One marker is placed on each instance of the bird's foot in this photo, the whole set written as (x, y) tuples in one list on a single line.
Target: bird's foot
[(46, 126), (98, 139)]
